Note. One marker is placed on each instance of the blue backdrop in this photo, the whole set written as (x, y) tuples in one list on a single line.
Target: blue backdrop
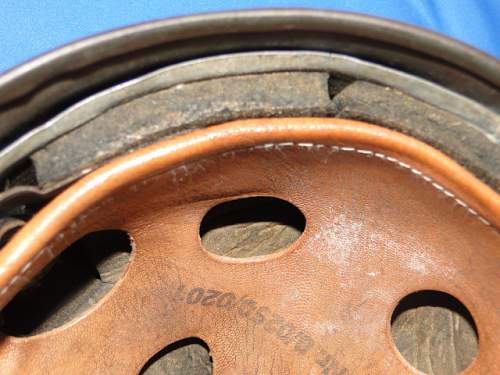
[(31, 27)]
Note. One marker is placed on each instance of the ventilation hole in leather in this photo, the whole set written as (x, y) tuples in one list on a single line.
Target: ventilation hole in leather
[(434, 332), (71, 284), (187, 356), (249, 227)]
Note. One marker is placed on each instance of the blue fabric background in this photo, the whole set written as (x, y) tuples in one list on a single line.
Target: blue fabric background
[(31, 27)]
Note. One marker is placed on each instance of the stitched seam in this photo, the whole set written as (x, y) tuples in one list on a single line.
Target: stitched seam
[(265, 147)]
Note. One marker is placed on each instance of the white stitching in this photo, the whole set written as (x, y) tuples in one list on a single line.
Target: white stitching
[(473, 212), (267, 146), (449, 193), (13, 280), (483, 220), (306, 145), (26, 267), (365, 152), (437, 186)]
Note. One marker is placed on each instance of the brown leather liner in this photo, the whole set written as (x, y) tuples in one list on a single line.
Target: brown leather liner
[(30, 249)]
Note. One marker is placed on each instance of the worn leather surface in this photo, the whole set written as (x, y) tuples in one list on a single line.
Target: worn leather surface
[(385, 216)]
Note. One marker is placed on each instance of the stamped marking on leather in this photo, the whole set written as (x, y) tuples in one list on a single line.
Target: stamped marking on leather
[(266, 147), (263, 317)]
